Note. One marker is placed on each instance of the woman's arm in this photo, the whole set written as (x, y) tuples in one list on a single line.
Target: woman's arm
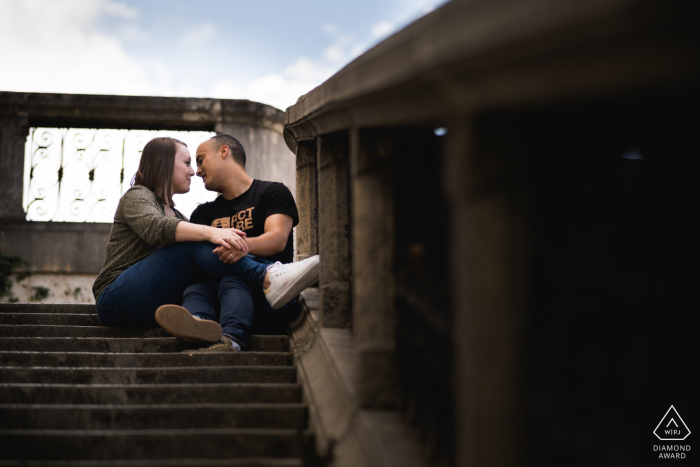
[(188, 232)]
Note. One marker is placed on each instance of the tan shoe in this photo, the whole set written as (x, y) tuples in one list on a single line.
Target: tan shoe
[(177, 321), (223, 346)]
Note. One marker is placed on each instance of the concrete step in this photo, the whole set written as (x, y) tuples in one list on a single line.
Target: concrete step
[(125, 345), (161, 416), (209, 374), (47, 308), (33, 393), (48, 330), (143, 360), (240, 462), (53, 319), (151, 444)]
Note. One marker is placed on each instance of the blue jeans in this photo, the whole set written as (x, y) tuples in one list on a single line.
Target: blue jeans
[(161, 278), (238, 304)]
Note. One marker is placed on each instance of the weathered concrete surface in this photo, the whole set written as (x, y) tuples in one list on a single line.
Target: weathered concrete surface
[(328, 364), (164, 375), (62, 288), (158, 416), (492, 54), (121, 344), (307, 200), (80, 248), (149, 406), (334, 230), (139, 360), (147, 444), (57, 247), (136, 112), (373, 294), (13, 135), (38, 393)]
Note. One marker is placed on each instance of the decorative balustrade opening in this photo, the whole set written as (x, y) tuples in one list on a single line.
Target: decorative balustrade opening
[(79, 174)]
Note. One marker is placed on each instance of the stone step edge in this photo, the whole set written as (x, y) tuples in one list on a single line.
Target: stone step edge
[(149, 368), (36, 352), (242, 462), (79, 308), (159, 432), (146, 386), (188, 406), (268, 336)]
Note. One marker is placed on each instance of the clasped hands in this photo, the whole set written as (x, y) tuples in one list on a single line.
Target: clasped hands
[(232, 245)]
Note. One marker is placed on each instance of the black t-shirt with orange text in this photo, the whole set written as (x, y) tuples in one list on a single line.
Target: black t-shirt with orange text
[(249, 211)]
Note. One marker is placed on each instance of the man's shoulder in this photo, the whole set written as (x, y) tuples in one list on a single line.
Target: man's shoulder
[(265, 186)]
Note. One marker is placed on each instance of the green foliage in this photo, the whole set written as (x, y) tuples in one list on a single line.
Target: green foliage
[(77, 291), (8, 263), (40, 293), (13, 299), (22, 275)]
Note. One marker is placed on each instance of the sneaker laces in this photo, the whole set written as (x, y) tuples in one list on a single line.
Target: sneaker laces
[(278, 268)]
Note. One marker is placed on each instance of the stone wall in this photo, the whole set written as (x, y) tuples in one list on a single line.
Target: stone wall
[(68, 255)]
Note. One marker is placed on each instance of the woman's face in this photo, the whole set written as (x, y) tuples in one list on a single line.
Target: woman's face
[(182, 171)]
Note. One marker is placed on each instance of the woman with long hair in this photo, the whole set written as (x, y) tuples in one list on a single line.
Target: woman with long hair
[(154, 253)]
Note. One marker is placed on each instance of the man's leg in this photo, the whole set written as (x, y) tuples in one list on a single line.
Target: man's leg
[(237, 309), (201, 300)]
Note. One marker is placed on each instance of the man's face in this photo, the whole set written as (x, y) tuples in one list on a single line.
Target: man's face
[(208, 164)]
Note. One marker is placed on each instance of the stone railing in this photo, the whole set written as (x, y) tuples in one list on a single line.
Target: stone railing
[(461, 181), (71, 248)]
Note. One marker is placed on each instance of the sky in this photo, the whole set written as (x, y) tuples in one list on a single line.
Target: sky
[(269, 51)]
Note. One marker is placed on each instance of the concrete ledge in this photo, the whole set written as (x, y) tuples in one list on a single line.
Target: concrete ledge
[(57, 247), (353, 437), (137, 112), (470, 55)]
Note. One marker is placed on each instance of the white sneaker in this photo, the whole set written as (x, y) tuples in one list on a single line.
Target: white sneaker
[(288, 280)]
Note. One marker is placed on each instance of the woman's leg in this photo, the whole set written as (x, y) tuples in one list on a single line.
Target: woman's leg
[(161, 278)]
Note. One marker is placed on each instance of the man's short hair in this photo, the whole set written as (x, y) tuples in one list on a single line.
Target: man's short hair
[(233, 144)]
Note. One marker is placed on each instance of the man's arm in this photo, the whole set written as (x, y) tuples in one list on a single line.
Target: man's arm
[(274, 240)]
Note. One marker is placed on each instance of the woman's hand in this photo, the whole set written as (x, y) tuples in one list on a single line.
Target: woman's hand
[(227, 238)]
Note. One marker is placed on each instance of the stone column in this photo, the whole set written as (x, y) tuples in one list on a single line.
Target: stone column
[(373, 296), (307, 200), (487, 192), (334, 230), (13, 137)]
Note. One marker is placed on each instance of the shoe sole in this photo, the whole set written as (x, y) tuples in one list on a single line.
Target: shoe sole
[(177, 321), (301, 283)]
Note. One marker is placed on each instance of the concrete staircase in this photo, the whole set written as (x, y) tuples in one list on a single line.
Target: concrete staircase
[(75, 393)]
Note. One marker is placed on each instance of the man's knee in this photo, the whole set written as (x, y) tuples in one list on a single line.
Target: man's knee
[(204, 289), (228, 283)]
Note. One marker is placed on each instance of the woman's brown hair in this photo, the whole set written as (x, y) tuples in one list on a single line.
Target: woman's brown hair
[(156, 167)]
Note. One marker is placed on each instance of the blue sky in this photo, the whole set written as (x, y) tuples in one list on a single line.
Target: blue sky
[(270, 51)]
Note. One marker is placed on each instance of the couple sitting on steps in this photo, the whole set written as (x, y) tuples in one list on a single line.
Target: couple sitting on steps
[(234, 256)]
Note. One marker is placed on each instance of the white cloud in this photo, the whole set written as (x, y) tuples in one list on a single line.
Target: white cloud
[(119, 9), (55, 46), (200, 34), (278, 89), (382, 29)]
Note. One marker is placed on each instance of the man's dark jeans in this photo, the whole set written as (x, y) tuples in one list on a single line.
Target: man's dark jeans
[(239, 305), (161, 279)]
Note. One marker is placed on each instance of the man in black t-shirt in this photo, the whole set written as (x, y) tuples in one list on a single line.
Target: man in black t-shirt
[(265, 213)]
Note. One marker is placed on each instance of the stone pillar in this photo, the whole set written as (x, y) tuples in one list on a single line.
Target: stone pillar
[(334, 230), (13, 137), (307, 200), (267, 155), (373, 296), (489, 248)]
